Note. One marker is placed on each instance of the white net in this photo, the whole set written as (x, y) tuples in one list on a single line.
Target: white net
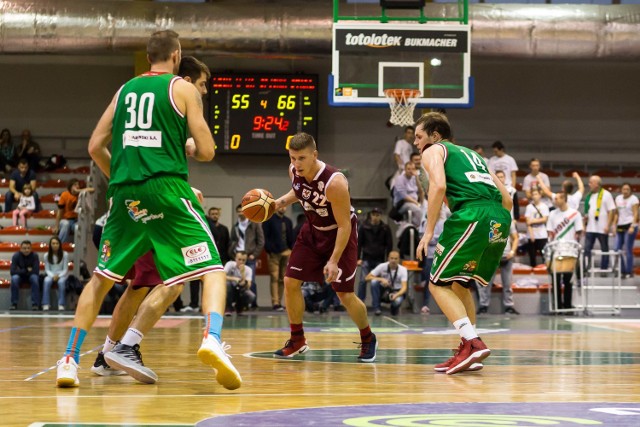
[(402, 103)]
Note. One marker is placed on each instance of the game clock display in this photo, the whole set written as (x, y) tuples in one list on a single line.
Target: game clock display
[(260, 113)]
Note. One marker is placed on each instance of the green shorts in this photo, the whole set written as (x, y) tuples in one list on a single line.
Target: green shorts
[(162, 214), (471, 244)]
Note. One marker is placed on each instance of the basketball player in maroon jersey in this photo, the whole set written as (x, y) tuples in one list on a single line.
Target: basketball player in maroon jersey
[(326, 248)]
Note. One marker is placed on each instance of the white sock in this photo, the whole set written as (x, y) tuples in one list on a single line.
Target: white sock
[(465, 328), (132, 337), (108, 344), (475, 329)]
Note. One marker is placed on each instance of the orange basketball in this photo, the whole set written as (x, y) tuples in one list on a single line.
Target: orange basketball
[(258, 205)]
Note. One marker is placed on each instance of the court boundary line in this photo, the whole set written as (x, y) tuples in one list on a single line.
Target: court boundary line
[(34, 376)]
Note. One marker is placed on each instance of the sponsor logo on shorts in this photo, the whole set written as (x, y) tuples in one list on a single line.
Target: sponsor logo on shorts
[(295, 268), (306, 193), (470, 266), (495, 235), (105, 251), (439, 249), (138, 214), (196, 254)]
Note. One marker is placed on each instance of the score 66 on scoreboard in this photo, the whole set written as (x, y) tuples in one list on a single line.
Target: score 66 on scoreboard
[(260, 113)]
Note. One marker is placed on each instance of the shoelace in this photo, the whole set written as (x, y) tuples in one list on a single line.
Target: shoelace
[(363, 346), (225, 347)]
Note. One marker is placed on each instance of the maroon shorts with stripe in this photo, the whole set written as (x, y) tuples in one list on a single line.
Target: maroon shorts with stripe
[(312, 250), (146, 272)]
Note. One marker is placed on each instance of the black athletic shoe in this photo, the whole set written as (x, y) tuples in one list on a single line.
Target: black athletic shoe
[(368, 350), (511, 310), (102, 368), (129, 359), (483, 310)]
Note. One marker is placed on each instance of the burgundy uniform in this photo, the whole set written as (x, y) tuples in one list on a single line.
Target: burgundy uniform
[(144, 273), (317, 237)]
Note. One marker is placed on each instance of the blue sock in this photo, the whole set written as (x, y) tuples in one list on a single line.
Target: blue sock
[(213, 322), (75, 342)]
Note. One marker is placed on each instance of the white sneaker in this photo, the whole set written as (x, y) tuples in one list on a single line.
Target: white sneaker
[(214, 354), (61, 308), (67, 372), (45, 307), (186, 309)]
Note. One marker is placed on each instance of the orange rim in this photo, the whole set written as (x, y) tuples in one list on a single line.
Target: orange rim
[(400, 94)]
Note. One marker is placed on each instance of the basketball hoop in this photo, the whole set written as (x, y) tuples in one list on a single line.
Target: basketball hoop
[(402, 103)]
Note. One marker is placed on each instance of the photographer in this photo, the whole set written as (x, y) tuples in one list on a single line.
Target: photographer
[(239, 277)]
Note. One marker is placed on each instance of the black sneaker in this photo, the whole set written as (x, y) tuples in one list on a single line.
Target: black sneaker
[(102, 368), (483, 310), (368, 350), (511, 310), (129, 359), (35, 308), (13, 307)]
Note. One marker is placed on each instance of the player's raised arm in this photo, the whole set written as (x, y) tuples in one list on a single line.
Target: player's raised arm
[(189, 100), (100, 139)]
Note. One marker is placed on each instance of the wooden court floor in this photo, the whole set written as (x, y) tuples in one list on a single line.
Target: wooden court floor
[(543, 371)]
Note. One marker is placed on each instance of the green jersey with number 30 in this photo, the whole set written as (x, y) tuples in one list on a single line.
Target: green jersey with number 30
[(149, 132), (468, 177)]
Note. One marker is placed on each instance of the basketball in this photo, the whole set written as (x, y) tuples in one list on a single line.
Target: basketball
[(258, 205)]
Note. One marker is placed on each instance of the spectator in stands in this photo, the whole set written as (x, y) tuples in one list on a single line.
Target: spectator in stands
[(300, 220), (423, 178), (19, 177), (220, 234), (56, 268), (247, 236), (67, 217), (29, 149), (506, 270), (374, 244), (26, 206), (239, 278), (573, 199), (533, 179), (626, 227), (404, 148), (408, 195), (536, 214), (480, 150), (515, 210), (501, 161), (388, 283), (599, 214), (7, 152), (278, 242), (565, 224), (25, 267)]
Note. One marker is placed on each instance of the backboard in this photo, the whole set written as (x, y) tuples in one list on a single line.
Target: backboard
[(371, 57)]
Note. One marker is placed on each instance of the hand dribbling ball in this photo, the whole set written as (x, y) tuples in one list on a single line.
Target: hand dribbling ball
[(258, 205)]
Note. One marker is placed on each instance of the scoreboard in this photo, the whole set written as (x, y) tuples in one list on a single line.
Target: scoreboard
[(260, 113)]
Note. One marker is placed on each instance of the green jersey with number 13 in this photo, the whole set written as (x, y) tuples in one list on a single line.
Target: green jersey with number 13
[(149, 132), (468, 177)]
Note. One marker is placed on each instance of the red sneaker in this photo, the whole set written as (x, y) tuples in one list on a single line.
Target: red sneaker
[(444, 366), (291, 348), (469, 352)]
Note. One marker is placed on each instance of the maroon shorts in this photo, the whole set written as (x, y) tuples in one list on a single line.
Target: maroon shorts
[(313, 249), (146, 272)]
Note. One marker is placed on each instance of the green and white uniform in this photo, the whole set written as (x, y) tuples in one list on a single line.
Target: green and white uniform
[(151, 204), (473, 239)]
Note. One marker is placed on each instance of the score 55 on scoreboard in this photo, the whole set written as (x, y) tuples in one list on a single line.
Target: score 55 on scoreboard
[(260, 113)]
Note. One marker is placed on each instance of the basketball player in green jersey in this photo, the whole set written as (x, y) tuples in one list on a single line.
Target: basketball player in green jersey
[(151, 205), (471, 244)]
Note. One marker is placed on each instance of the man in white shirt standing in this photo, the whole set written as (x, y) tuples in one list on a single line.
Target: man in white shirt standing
[(536, 214), (565, 224), (404, 148), (408, 195), (627, 227), (501, 161), (533, 179), (391, 276), (599, 210)]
